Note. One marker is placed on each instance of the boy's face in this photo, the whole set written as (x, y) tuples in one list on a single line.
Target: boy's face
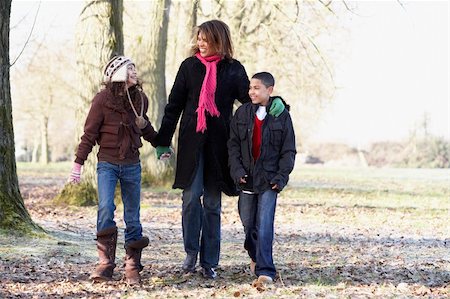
[(259, 93)]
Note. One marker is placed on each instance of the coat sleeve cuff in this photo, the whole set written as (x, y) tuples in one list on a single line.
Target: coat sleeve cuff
[(79, 161), (238, 175), (279, 181)]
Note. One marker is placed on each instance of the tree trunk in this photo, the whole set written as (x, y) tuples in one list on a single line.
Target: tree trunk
[(13, 214), (34, 154), (44, 139), (99, 37), (152, 71)]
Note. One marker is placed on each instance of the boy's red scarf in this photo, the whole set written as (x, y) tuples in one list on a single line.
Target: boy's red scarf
[(206, 101)]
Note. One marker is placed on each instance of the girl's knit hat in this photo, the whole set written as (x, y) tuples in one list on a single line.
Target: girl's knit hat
[(116, 69)]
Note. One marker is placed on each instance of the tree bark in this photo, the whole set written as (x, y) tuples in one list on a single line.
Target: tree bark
[(44, 139), (13, 214), (99, 37), (152, 71), (34, 155)]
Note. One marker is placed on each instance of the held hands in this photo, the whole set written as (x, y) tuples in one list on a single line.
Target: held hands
[(75, 175), (163, 153), (277, 107)]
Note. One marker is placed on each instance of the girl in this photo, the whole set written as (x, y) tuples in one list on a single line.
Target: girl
[(116, 121)]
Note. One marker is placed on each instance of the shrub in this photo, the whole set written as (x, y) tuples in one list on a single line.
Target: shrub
[(82, 194)]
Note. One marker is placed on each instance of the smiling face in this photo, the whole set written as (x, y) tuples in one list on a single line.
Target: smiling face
[(204, 47), (131, 75), (259, 93)]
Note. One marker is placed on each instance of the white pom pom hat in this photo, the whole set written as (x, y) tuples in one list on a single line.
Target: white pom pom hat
[(116, 69)]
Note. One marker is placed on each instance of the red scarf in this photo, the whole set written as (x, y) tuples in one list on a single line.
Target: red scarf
[(206, 101)]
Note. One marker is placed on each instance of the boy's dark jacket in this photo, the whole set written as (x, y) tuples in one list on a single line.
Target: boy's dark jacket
[(277, 157)]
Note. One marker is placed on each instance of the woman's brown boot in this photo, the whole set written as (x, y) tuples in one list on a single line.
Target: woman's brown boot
[(133, 266), (106, 248)]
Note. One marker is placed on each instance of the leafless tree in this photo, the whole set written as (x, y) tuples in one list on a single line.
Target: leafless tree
[(99, 37), (13, 214), (148, 47)]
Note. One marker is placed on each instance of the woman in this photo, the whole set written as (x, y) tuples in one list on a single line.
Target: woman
[(116, 121), (204, 91)]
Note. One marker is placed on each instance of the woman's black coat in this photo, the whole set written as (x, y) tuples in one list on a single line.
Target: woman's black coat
[(232, 84)]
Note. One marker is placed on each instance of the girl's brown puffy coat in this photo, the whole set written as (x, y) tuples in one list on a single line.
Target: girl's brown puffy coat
[(110, 123)]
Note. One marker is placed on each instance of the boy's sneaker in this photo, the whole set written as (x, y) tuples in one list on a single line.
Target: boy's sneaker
[(252, 266), (264, 279), (262, 282)]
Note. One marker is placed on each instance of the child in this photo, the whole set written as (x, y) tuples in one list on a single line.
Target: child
[(116, 121), (261, 156)]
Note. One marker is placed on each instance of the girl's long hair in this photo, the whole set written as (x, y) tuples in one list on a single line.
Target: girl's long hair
[(120, 95)]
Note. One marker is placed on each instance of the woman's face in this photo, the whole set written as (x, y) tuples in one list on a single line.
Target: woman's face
[(203, 46), (132, 75)]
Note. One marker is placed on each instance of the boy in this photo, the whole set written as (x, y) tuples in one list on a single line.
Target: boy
[(261, 156)]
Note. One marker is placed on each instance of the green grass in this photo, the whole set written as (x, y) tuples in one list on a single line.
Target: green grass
[(37, 169)]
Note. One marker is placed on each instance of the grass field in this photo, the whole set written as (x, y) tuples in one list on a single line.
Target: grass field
[(340, 233)]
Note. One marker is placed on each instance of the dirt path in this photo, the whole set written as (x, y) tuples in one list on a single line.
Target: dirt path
[(330, 242)]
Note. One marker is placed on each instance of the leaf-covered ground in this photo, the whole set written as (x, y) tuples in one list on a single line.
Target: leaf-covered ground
[(340, 233)]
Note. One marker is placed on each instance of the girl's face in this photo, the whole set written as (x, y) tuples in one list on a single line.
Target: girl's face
[(204, 47), (131, 75)]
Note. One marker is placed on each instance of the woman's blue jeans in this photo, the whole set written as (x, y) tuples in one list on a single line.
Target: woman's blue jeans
[(257, 212), (129, 177), (201, 219)]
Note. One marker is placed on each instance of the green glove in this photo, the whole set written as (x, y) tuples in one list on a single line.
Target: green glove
[(160, 150), (277, 107)]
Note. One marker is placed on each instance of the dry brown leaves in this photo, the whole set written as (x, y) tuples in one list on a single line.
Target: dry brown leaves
[(320, 250)]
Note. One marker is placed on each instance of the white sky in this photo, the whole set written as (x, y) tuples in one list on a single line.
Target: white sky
[(397, 69)]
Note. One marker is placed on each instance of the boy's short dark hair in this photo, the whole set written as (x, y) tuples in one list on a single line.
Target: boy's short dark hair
[(266, 78)]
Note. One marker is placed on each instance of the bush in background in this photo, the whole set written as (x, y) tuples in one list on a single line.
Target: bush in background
[(82, 194), (424, 152)]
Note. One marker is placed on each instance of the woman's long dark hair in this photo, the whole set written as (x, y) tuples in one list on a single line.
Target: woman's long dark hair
[(217, 35)]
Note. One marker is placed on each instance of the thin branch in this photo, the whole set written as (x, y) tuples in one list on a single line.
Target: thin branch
[(250, 32), (327, 6), (350, 10), (29, 36), (20, 21), (401, 4)]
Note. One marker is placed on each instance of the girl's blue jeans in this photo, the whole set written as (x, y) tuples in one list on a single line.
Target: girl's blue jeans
[(129, 177)]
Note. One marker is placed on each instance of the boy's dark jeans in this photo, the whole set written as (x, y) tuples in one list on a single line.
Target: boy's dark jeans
[(257, 212)]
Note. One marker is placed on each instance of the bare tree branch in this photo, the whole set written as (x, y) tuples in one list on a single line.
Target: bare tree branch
[(327, 6), (31, 32)]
